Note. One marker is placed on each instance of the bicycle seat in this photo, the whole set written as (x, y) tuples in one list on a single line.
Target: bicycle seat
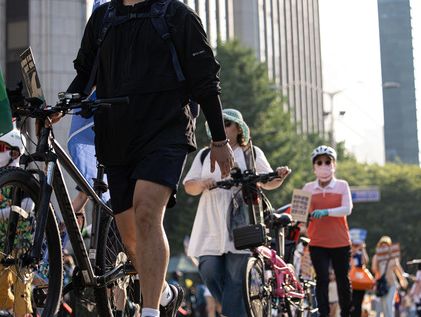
[(281, 220)]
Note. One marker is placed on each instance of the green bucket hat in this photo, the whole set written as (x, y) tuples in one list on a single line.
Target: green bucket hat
[(233, 115)]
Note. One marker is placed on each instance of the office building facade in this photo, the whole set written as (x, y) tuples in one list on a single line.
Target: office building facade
[(285, 34), (400, 118), (53, 29)]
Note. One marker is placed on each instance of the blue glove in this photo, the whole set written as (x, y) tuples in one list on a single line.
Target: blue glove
[(319, 213)]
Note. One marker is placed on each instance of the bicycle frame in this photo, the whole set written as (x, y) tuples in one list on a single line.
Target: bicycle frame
[(284, 275), (49, 151)]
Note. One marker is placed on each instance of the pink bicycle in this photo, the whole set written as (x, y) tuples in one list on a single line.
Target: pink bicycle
[(271, 287)]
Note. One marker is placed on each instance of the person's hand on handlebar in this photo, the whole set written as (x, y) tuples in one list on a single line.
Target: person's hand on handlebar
[(197, 186), (54, 118), (221, 153), (283, 172), (207, 183)]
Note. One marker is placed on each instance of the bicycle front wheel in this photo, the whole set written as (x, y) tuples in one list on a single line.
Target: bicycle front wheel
[(257, 295), (27, 287), (124, 293)]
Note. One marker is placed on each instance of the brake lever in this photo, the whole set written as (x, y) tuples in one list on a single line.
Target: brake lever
[(85, 112)]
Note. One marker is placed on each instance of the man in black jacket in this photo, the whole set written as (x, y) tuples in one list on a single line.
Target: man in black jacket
[(144, 144)]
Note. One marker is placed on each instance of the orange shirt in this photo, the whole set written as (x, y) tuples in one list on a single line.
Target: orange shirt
[(330, 231)]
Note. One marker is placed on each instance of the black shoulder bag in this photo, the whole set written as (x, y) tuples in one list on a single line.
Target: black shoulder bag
[(382, 287)]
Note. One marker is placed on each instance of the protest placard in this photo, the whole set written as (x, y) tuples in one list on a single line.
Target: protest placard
[(30, 75), (386, 252), (300, 205)]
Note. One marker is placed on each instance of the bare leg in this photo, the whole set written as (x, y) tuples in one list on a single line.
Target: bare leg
[(78, 204), (127, 228), (156, 197), (149, 203), (218, 307), (210, 306), (126, 224)]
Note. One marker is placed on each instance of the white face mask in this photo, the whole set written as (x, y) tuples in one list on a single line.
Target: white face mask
[(324, 173), (5, 159)]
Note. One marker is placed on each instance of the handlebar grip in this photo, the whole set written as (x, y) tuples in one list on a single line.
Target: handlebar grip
[(273, 174), (114, 101), (224, 184)]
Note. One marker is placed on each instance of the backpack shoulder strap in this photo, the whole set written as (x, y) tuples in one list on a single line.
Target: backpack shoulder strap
[(105, 27), (250, 157), (107, 22), (158, 11), (204, 153)]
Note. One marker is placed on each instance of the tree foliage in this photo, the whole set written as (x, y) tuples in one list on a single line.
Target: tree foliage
[(397, 214), (245, 86)]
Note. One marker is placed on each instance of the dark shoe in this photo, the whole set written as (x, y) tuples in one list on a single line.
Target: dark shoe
[(170, 310)]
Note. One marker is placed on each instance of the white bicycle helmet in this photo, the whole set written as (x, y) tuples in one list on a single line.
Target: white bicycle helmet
[(323, 150), (14, 139)]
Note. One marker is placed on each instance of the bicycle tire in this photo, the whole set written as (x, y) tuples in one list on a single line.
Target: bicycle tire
[(50, 282), (110, 247), (257, 295)]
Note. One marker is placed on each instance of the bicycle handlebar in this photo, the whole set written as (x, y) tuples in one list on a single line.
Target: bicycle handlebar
[(245, 178), (114, 101), (34, 107)]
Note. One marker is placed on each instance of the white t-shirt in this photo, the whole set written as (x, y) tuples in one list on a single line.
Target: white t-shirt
[(210, 234)]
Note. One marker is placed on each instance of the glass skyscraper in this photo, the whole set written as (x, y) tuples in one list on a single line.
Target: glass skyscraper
[(400, 118)]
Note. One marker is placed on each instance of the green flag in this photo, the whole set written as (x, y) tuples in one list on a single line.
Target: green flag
[(6, 124)]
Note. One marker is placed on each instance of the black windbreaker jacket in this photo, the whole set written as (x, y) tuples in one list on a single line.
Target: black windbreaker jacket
[(136, 62)]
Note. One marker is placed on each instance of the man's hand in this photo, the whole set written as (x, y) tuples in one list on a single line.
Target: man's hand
[(221, 153)]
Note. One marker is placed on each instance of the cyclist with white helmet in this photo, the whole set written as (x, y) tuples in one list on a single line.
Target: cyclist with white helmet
[(15, 292), (328, 230)]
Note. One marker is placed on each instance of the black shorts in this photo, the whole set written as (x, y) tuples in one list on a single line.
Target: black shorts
[(162, 166)]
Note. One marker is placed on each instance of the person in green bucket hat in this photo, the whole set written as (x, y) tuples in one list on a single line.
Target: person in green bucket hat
[(234, 116), (220, 211)]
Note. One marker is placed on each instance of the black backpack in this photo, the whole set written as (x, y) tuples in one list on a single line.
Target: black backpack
[(157, 16)]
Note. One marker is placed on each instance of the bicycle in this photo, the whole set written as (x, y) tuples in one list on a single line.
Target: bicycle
[(270, 285), (104, 267)]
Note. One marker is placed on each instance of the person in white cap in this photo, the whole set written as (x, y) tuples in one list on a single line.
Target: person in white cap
[(18, 301), (12, 145), (328, 230)]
